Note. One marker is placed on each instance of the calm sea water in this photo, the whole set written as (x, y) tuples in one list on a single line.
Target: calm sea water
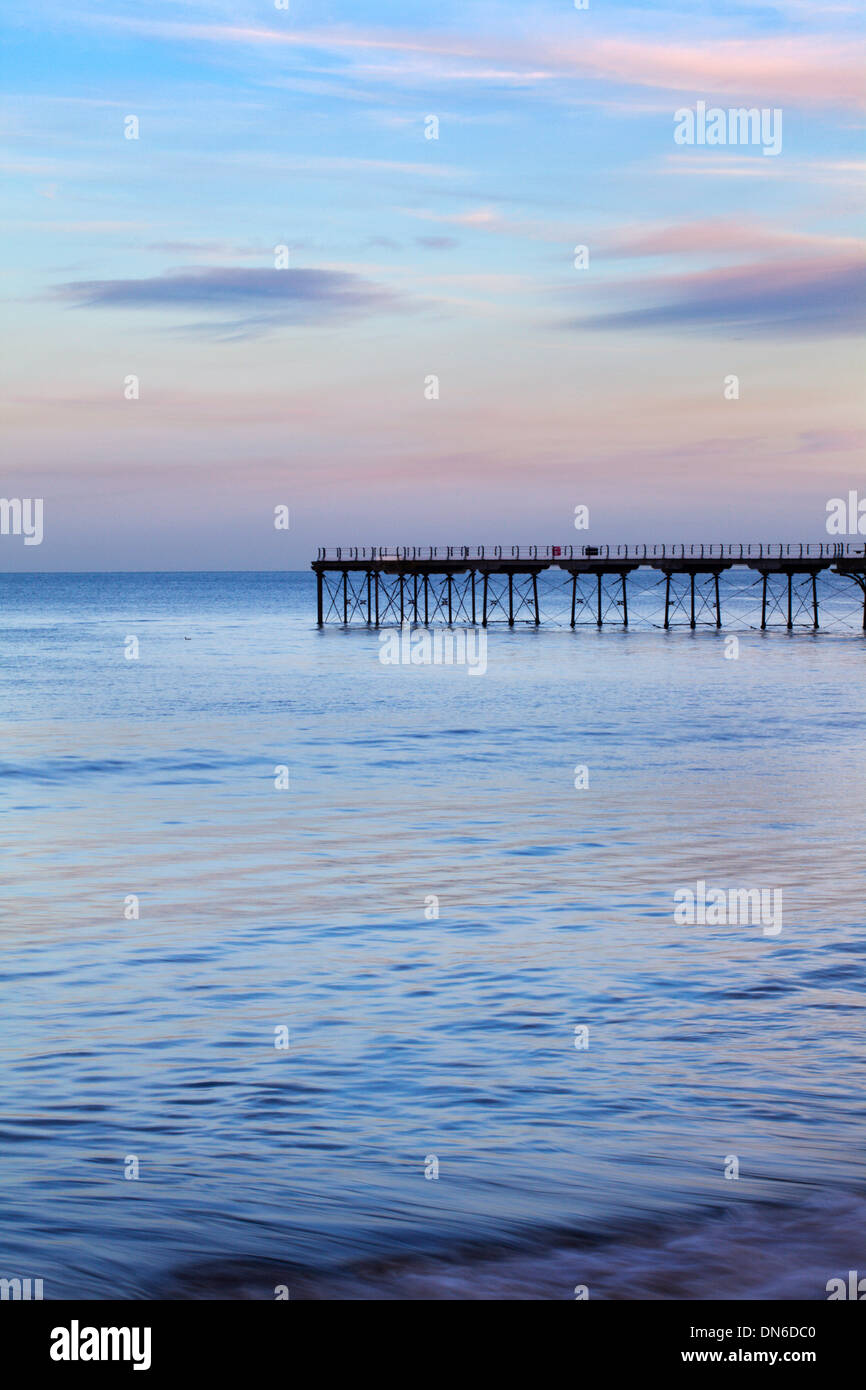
[(413, 1037)]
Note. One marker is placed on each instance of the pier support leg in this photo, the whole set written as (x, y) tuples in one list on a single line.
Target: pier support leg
[(345, 596), (790, 615), (718, 602), (599, 619), (472, 582), (369, 597), (484, 602), (624, 599), (573, 596), (415, 597), (450, 582), (319, 596), (764, 603), (376, 591), (535, 597), (426, 597), (815, 601), (510, 599), (400, 580), (667, 600), (692, 591)]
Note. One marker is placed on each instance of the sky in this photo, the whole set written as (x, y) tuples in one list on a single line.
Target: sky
[(427, 360)]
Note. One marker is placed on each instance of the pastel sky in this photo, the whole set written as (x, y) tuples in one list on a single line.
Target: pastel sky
[(412, 257)]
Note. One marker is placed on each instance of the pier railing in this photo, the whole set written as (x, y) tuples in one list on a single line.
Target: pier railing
[(792, 550)]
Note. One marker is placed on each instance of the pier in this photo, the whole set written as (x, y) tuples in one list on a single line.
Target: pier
[(464, 585)]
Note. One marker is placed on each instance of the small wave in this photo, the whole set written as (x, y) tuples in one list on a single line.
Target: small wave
[(761, 1252), (68, 768)]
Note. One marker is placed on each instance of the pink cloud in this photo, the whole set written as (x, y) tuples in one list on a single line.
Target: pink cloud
[(802, 70), (723, 236)]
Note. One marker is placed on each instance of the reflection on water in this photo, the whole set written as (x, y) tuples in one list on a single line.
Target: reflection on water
[(411, 1037)]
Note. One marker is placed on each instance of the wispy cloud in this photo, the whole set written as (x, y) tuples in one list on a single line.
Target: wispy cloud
[(437, 243), (799, 69), (807, 296), (487, 219), (257, 300), (720, 163), (722, 236)]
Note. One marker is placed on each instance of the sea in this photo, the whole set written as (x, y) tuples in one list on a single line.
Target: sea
[(329, 977)]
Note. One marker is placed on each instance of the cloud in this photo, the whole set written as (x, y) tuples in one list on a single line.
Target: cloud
[(803, 71), (805, 297), (708, 164), (724, 236), (255, 299), (489, 220), (437, 243), (718, 235), (830, 441), (800, 70)]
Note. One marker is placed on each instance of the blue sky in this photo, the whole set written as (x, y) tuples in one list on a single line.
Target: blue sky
[(412, 257)]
